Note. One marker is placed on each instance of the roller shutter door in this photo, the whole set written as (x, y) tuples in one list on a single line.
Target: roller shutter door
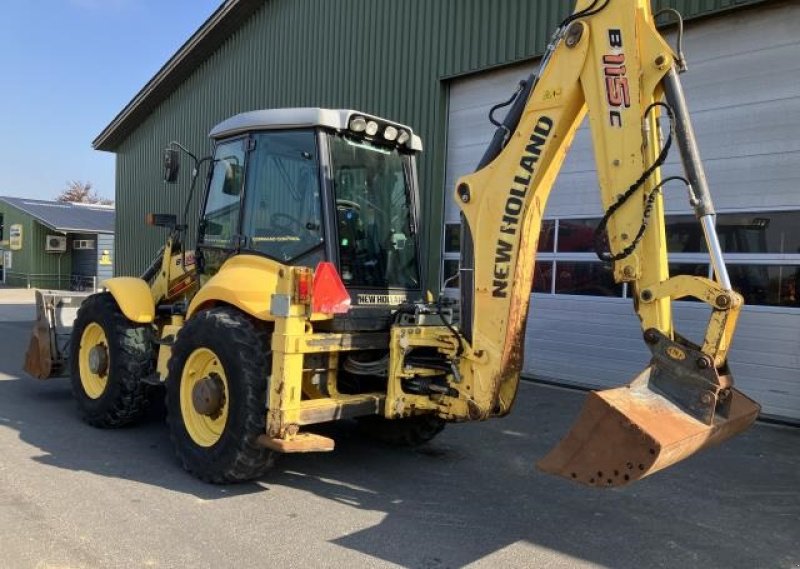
[(744, 96)]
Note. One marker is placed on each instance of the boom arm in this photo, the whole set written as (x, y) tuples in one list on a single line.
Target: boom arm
[(607, 59)]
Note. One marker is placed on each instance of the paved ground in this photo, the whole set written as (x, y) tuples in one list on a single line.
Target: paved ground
[(73, 496)]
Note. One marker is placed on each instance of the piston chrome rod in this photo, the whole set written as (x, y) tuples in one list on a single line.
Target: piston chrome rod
[(690, 156)]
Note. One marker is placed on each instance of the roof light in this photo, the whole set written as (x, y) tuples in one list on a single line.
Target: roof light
[(358, 124), (372, 128), (403, 137), (390, 133)]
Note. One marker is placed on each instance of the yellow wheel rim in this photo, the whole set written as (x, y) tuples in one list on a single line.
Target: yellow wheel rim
[(94, 381), (204, 430)]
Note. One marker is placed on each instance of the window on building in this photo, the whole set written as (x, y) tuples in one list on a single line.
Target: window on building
[(220, 220), (762, 252)]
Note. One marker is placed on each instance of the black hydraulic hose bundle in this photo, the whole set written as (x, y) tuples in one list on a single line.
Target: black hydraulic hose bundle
[(600, 231)]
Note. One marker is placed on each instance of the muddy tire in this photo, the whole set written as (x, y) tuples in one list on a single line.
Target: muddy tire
[(407, 432), (222, 348), (109, 355)]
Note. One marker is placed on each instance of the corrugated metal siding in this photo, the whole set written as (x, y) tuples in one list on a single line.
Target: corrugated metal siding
[(105, 251), (84, 261), (386, 57), (54, 268), (765, 355)]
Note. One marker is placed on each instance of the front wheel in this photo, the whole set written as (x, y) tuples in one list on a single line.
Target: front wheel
[(217, 396), (109, 355)]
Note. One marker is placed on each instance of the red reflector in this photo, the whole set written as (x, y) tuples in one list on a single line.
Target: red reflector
[(328, 292), (302, 285)]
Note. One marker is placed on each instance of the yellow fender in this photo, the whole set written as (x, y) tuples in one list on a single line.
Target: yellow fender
[(246, 282), (133, 297)]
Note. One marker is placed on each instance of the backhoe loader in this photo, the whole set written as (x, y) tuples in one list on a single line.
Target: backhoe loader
[(302, 302)]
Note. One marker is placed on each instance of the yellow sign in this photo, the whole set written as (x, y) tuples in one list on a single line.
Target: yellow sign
[(15, 237), (105, 258)]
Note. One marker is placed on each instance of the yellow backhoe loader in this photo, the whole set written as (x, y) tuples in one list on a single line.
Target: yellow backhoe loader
[(302, 302)]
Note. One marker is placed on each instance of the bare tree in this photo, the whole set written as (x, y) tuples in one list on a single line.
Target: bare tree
[(81, 192)]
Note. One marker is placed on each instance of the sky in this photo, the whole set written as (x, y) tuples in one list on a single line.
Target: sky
[(67, 67)]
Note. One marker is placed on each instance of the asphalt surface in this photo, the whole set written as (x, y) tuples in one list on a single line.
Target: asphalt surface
[(74, 496)]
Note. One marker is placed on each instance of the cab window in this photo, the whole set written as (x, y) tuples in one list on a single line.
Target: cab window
[(282, 216), (220, 220)]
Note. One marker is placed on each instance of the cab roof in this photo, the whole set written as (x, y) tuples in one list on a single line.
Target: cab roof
[(300, 117)]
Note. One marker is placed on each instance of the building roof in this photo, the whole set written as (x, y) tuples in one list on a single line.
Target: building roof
[(66, 217)]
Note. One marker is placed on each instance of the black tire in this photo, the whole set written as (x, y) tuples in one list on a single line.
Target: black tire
[(242, 348), (131, 357), (406, 432)]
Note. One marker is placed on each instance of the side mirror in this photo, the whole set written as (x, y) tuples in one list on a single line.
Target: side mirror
[(172, 165), (232, 186)]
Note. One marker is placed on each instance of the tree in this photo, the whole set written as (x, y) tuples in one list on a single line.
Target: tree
[(81, 192)]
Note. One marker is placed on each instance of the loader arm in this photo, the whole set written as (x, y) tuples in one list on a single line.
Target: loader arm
[(607, 59)]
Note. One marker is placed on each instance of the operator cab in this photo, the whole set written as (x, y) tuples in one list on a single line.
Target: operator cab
[(305, 185)]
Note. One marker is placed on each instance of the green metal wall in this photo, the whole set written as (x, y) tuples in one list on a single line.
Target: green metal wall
[(32, 259), (387, 57)]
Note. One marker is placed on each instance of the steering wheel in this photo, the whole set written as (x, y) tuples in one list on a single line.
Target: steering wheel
[(348, 204), (287, 223)]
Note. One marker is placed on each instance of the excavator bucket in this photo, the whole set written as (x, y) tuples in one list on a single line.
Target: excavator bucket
[(48, 348), (662, 417)]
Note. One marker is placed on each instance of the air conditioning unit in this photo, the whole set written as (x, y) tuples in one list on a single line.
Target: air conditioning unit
[(56, 244), (83, 244)]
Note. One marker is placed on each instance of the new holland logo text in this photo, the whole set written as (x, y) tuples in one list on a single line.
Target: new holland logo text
[(392, 299), (617, 89), (515, 203)]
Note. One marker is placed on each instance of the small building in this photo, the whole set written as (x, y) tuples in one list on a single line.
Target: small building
[(55, 245)]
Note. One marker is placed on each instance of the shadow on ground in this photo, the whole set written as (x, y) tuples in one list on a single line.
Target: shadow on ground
[(473, 492)]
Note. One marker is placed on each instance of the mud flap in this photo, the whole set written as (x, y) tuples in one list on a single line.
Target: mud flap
[(676, 407)]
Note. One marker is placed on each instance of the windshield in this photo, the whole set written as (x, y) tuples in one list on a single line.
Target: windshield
[(377, 247)]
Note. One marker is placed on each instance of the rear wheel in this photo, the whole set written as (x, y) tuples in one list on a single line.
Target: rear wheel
[(406, 432), (217, 396), (109, 355)]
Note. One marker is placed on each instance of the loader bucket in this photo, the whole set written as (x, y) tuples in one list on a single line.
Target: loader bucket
[(627, 433), (39, 357), (48, 348)]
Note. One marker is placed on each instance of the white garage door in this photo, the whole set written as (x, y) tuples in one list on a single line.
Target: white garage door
[(744, 95)]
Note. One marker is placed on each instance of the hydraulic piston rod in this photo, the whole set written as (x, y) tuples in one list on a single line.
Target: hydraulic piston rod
[(690, 156)]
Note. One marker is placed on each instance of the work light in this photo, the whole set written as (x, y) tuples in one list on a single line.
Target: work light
[(358, 124), (390, 133)]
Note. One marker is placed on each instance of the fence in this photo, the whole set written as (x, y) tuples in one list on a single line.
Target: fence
[(50, 281)]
